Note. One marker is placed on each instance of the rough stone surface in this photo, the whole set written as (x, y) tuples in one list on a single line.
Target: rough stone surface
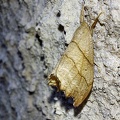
[(33, 36)]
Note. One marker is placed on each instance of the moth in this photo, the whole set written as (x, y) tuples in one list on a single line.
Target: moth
[(74, 72)]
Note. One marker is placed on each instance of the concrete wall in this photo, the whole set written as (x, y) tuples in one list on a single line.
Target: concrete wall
[(33, 36)]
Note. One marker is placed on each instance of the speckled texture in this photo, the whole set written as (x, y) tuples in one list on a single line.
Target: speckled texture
[(33, 36)]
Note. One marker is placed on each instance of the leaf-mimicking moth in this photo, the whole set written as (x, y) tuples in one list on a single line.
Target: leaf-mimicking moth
[(74, 72)]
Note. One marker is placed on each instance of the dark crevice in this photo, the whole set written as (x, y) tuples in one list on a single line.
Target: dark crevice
[(65, 32), (42, 58), (58, 14), (3, 81), (14, 113), (1, 61), (61, 28), (20, 55), (36, 24), (31, 92), (39, 40), (45, 65), (45, 76), (3, 46), (66, 44)]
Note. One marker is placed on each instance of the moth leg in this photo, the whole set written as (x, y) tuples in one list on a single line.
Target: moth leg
[(94, 24), (82, 15)]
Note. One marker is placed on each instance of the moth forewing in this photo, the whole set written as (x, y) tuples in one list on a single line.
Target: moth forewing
[(74, 72)]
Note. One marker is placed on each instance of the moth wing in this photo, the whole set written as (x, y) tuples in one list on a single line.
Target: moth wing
[(74, 72)]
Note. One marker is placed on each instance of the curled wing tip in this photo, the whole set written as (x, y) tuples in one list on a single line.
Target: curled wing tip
[(53, 80), (76, 104)]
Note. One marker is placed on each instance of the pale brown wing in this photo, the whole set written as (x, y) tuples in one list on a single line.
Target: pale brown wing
[(74, 72)]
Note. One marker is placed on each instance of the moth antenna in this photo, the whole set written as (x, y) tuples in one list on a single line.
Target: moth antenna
[(94, 24)]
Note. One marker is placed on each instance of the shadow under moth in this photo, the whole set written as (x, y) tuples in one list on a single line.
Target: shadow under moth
[(74, 72)]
